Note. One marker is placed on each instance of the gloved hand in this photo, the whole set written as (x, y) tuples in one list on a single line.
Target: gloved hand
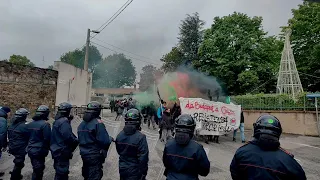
[(112, 139), (70, 117)]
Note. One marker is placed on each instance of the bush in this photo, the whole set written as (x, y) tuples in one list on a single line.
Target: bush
[(274, 102)]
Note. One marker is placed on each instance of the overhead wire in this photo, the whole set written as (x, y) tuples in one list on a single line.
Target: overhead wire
[(113, 17), (133, 58), (123, 49)]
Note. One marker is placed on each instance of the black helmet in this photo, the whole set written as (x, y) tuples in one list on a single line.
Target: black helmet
[(133, 116), (267, 124), (43, 111), (22, 112), (64, 107), (185, 123), (94, 106)]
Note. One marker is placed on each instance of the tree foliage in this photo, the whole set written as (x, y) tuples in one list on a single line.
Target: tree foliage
[(77, 57), (305, 40), (237, 51), (147, 77), (20, 60), (189, 40), (114, 71), (172, 60), (190, 36)]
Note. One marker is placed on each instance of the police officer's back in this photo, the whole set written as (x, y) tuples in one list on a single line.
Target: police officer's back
[(132, 148), (18, 136), (39, 141), (263, 158), (63, 141), (94, 142), (183, 157)]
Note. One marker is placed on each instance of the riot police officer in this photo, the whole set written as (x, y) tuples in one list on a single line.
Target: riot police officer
[(18, 140), (132, 148), (183, 157), (94, 142), (263, 158), (39, 141), (63, 141)]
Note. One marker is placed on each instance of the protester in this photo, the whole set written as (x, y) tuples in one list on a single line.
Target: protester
[(112, 105), (151, 110), (4, 113), (159, 115), (120, 109), (243, 138), (166, 125), (94, 142), (132, 148), (183, 157), (39, 141), (18, 136), (263, 158)]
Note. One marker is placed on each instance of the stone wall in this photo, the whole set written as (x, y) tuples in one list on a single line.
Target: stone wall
[(293, 122), (28, 87)]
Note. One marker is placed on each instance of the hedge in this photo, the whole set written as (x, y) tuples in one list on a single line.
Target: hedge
[(274, 102)]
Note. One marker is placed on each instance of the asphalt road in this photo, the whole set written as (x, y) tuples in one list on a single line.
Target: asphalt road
[(305, 149)]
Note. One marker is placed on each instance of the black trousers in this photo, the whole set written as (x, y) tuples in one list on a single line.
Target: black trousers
[(38, 165), (61, 165), (92, 167), (18, 165)]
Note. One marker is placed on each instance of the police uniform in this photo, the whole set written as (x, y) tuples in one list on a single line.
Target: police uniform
[(94, 142), (18, 140), (39, 141), (184, 158), (63, 141), (132, 148), (263, 158)]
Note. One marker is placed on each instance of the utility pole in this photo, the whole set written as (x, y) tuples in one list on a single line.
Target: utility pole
[(86, 59)]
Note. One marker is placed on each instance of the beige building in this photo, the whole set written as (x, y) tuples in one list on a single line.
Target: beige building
[(73, 85)]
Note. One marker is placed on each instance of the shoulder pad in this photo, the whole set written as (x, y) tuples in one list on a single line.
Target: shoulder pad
[(27, 122), (287, 152), (244, 144), (99, 121)]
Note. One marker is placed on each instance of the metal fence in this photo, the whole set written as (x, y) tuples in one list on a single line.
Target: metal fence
[(275, 103)]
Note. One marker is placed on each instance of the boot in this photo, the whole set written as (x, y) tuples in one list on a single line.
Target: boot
[(234, 139), (217, 139), (15, 176)]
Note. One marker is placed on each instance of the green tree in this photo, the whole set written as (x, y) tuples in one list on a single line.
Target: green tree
[(147, 77), (172, 60), (190, 36), (114, 71), (305, 40), (237, 51), (20, 60), (77, 57)]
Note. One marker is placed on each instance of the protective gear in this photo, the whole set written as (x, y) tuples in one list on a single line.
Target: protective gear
[(42, 113), (185, 162), (184, 127), (39, 141), (263, 158), (252, 162), (133, 151), (18, 140), (3, 129), (133, 116), (63, 141), (267, 124), (94, 142)]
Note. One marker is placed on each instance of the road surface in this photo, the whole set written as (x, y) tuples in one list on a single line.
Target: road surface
[(305, 149)]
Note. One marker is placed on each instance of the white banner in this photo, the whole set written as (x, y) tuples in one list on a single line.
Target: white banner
[(212, 118)]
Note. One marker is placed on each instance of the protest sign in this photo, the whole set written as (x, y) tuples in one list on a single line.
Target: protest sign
[(212, 118)]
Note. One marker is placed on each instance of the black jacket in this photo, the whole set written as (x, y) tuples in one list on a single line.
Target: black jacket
[(252, 162), (94, 139), (63, 141), (18, 136), (185, 162), (40, 135), (3, 129)]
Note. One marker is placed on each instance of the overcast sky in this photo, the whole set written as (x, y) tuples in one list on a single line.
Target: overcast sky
[(49, 28)]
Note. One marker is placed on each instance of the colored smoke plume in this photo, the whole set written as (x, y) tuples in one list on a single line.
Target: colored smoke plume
[(185, 83)]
